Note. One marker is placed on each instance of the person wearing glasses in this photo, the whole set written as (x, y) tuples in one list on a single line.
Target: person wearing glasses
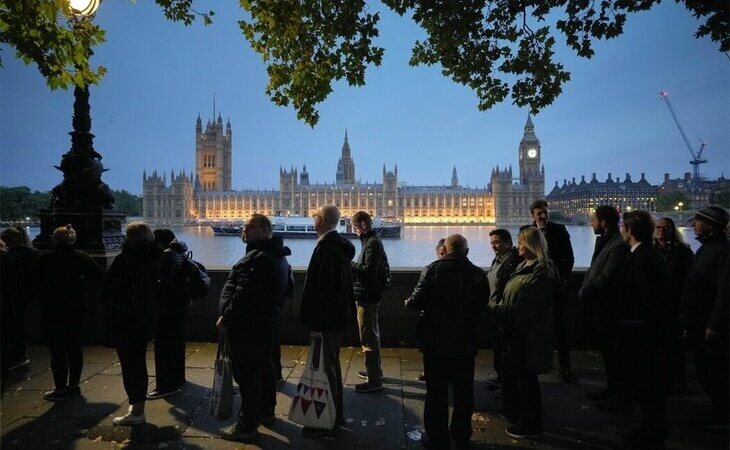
[(249, 307), (328, 303)]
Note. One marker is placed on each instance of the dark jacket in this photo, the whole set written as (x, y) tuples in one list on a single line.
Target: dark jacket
[(600, 284), (8, 296), (677, 258), (368, 268), (525, 316), (328, 300), (129, 294), (24, 258), (504, 272), (254, 292), (172, 298), (699, 307), (451, 293), (642, 299), (61, 275), (560, 249)]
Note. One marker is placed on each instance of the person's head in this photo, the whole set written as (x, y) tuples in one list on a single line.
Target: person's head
[(456, 244), (326, 219), (665, 232), (163, 237), (500, 240), (362, 223), (638, 226), (539, 212), (709, 221), (531, 245), (64, 236), (604, 219), (257, 228), (138, 233), (14, 237), (440, 248)]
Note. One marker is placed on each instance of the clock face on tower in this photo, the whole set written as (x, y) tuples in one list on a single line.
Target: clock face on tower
[(532, 153)]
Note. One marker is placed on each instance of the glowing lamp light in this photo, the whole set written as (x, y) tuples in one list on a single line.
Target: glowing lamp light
[(83, 8)]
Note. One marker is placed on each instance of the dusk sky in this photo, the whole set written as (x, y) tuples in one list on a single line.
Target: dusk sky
[(162, 74)]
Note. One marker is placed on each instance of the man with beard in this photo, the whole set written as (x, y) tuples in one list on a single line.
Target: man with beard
[(598, 293)]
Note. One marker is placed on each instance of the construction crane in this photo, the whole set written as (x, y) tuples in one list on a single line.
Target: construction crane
[(696, 156)]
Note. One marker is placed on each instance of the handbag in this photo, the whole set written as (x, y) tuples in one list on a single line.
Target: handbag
[(313, 405), (221, 400)]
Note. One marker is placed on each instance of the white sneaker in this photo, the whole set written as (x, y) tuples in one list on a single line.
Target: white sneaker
[(129, 419)]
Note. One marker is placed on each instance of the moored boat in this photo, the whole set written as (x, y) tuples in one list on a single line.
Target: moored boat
[(293, 227)]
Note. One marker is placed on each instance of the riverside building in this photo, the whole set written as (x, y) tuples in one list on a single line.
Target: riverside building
[(206, 196)]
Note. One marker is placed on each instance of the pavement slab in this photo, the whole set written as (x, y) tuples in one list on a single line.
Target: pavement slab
[(390, 419)]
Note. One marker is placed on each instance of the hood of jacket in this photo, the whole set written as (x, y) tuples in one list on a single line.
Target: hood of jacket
[(275, 246), (333, 238)]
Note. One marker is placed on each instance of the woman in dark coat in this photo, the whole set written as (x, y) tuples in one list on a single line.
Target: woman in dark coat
[(61, 276), (525, 316), (130, 309), (172, 302)]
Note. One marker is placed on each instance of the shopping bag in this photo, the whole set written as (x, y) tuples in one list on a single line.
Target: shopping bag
[(221, 400), (313, 405)]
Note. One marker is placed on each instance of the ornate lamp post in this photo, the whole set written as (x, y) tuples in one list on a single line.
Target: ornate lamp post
[(82, 199)]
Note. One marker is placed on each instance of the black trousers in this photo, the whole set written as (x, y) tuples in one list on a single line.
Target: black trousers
[(521, 398), (18, 339), (132, 357), (276, 354), (170, 353), (442, 372), (331, 341), (253, 371), (561, 339), (67, 358), (711, 364), (643, 366)]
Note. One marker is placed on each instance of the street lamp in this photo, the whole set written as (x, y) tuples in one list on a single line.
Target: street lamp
[(82, 199)]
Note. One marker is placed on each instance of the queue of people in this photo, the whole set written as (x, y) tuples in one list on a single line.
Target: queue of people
[(646, 300)]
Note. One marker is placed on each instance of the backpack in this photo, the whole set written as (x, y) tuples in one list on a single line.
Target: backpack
[(196, 282)]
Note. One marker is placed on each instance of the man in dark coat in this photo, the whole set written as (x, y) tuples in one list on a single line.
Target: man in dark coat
[(451, 293), (328, 303), (249, 305), (598, 293), (506, 259), (560, 251), (705, 312), (8, 297), (172, 303), (368, 272), (643, 333)]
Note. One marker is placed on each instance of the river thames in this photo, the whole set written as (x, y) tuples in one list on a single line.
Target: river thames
[(414, 249)]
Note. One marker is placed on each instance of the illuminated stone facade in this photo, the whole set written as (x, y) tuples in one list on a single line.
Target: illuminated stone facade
[(209, 197)]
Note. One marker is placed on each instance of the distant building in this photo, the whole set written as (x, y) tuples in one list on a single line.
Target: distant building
[(699, 194), (576, 201), (209, 197)]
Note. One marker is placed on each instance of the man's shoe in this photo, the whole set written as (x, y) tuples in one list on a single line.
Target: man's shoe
[(268, 421), (599, 395), (56, 395), (129, 419), (518, 432), (506, 416), (315, 433), (154, 395), (363, 374), (22, 362), (422, 376), (367, 387), (566, 375), (493, 384), (239, 433), (461, 444), (73, 391)]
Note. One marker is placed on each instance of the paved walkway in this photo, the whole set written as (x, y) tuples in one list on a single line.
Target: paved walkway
[(391, 419)]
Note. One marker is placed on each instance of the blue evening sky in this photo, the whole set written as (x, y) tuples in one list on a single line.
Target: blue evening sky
[(162, 74)]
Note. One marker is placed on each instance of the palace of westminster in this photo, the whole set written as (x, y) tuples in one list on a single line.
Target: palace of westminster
[(206, 196)]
